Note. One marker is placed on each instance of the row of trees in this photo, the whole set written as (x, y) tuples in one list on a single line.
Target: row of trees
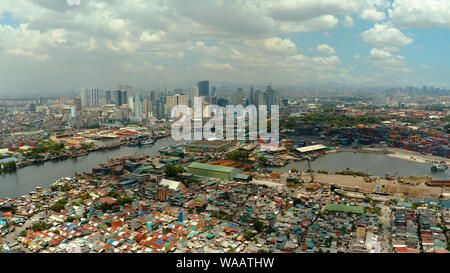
[(53, 149), (238, 155), (9, 166)]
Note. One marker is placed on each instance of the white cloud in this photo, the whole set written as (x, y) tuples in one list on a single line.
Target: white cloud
[(326, 49), (154, 37), (385, 35), (281, 45), (318, 23), (372, 14), (420, 13), (386, 61), (426, 67), (348, 22)]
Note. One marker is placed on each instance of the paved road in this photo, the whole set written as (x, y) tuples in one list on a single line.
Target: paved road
[(385, 231)]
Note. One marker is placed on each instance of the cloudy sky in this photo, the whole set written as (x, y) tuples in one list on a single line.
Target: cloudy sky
[(49, 45)]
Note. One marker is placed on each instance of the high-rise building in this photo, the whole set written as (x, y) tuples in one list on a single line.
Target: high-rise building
[(251, 96), (64, 100), (172, 101), (159, 107), (118, 97), (84, 97), (131, 103), (259, 98), (145, 107), (94, 97), (152, 96), (123, 97), (213, 91), (194, 93), (203, 88), (77, 102), (73, 112), (108, 97), (240, 95), (138, 106)]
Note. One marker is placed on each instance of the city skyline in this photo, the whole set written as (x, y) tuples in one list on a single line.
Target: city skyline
[(167, 43)]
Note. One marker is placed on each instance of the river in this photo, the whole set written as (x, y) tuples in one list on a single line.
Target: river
[(27, 179), (43, 175), (374, 164)]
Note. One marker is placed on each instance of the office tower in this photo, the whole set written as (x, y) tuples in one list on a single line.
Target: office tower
[(285, 102), (138, 106), (131, 103), (239, 96), (84, 97), (252, 96), (213, 100), (160, 111), (94, 97), (108, 97), (213, 91), (194, 93), (41, 101), (145, 107), (152, 96), (118, 97), (32, 107), (203, 88), (64, 100), (73, 112), (260, 98), (123, 97), (77, 102), (172, 101)]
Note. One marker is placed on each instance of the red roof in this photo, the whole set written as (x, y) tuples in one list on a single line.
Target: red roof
[(405, 250)]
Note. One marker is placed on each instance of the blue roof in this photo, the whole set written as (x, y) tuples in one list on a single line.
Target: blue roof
[(8, 159)]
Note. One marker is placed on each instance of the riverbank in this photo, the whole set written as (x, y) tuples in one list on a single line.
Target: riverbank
[(397, 153)]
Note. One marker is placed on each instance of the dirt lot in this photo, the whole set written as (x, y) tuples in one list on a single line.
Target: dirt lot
[(417, 188)]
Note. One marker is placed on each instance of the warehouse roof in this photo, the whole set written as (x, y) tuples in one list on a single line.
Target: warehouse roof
[(311, 148), (142, 169), (344, 208), (209, 167), (173, 185)]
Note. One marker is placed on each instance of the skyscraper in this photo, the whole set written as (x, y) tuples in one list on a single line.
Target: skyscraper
[(77, 102), (138, 106), (123, 97), (94, 97), (118, 97), (84, 97), (203, 88), (239, 96), (108, 97), (252, 96), (194, 93)]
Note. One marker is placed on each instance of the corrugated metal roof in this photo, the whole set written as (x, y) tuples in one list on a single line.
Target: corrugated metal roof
[(216, 168), (311, 148)]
